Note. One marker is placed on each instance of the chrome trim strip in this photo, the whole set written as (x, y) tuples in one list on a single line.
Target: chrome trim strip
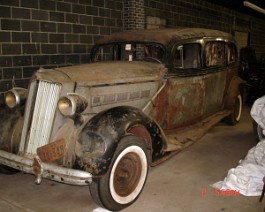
[(154, 96)]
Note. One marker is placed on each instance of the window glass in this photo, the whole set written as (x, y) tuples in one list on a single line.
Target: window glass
[(187, 56), (215, 53), (104, 53), (128, 51), (232, 53)]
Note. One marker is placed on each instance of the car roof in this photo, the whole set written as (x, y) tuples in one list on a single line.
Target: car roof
[(163, 36)]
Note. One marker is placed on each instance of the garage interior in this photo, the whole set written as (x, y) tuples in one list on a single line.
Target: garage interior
[(44, 33), (182, 183)]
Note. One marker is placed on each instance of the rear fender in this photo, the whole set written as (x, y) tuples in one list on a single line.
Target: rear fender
[(232, 91)]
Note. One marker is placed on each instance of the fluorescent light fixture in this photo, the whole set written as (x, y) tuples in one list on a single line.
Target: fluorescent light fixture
[(254, 7)]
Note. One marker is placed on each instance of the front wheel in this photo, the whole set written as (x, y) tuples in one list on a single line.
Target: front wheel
[(125, 179), (235, 116)]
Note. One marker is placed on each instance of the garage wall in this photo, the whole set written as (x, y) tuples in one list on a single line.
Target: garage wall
[(43, 33), (199, 13), (190, 13), (51, 33), (257, 36)]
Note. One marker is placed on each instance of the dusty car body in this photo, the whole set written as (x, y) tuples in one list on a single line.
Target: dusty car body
[(145, 96)]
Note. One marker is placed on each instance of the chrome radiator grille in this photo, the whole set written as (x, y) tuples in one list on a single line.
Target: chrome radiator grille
[(39, 115)]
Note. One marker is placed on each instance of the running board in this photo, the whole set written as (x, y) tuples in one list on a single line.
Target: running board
[(179, 139)]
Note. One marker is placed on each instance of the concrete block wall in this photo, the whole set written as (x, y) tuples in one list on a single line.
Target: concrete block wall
[(49, 33), (200, 13), (257, 37), (190, 13), (52, 33)]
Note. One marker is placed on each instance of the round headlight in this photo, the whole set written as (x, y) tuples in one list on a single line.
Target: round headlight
[(72, 104), (11, 100), (15, 96), (65, 106)]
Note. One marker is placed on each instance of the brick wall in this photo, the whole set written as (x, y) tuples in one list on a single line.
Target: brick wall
[(191, 13), (43, 33), (134, 15), (51, 33), (199, 13)]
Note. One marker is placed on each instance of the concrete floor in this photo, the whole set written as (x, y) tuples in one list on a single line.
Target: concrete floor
[(181, 184)]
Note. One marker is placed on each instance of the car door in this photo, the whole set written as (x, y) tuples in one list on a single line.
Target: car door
[(181, 100), (215, 79), (195, 87)]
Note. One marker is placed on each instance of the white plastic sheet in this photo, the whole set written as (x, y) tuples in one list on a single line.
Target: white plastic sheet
[(258, 112), (247, 177)]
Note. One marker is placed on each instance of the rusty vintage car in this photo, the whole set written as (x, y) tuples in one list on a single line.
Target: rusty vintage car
[(145, 96)]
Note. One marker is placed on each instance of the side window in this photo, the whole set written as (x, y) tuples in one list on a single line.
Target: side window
[(232, 53), (187, 56), (215, 53)]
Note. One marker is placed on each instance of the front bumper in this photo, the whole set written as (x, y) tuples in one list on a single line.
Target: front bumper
[(44, 170)]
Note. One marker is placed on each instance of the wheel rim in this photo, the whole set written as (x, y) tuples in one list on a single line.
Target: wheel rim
[(128, 175), (238, 108)]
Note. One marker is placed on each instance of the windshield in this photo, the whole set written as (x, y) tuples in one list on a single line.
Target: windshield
[(129, 52)]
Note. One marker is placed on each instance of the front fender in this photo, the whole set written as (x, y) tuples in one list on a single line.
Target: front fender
[(101, 135), (11, 121)]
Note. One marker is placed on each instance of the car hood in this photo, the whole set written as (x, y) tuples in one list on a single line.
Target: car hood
[(102, 73)]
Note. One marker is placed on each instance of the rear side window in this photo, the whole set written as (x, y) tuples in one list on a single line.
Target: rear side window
[(187, 56), (232, 53), (215, 53)]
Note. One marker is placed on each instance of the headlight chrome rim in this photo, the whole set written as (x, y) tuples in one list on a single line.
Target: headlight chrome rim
[(15, 97), (66, 106), (72, 104)]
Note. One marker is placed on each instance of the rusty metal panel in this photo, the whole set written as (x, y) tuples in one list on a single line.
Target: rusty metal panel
[(104, 97), (186, 100), (214, 92), (177, 104)]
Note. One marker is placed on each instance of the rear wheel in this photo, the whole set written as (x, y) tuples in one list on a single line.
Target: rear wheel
[(125, 179), (235, 116)]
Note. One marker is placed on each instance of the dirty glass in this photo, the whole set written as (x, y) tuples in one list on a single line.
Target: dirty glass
[(215, 53), (129, 52), (187, 56), (232, 53)]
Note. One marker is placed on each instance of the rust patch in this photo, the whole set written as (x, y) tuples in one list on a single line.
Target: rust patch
[(161, 101), (176, 105), (141, 132)]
